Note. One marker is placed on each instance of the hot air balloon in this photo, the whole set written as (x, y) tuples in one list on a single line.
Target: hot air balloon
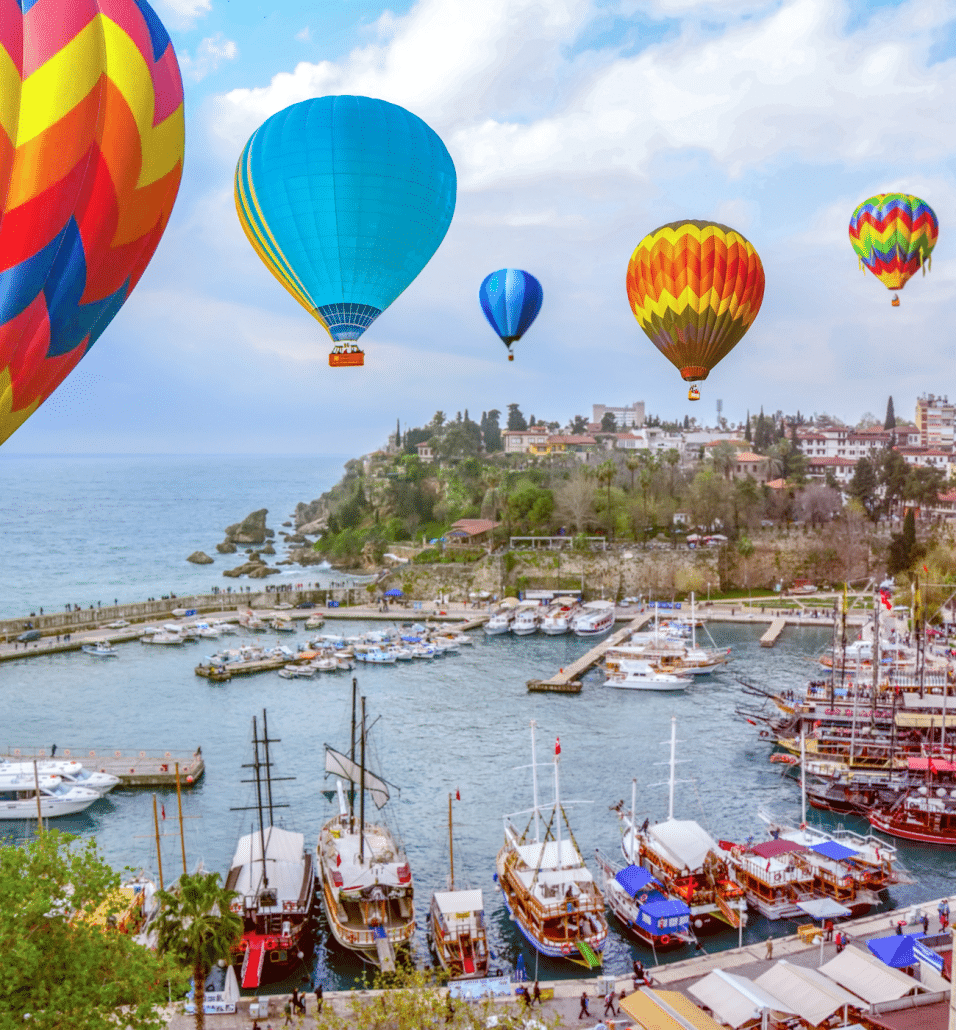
[(894, 235), (91, 152), (345, 200), (695, 289), (511, 300)]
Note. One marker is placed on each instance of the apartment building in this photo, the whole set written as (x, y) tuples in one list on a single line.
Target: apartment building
[(935, 420), (624, 417)]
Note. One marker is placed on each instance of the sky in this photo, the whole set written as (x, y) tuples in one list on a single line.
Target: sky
[(576, 128)]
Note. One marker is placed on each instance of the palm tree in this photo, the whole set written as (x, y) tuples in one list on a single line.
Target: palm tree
[(198, 928), (605, 473)]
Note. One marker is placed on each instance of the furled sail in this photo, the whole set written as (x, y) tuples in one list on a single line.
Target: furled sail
[(341, 765)]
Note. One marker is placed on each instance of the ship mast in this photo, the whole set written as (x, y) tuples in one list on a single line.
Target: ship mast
[(534, 786)]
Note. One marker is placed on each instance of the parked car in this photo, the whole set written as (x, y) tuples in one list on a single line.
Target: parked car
[(306, 604), (28, 635)]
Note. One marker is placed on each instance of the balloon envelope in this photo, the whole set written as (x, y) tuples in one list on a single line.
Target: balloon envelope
[(345, 199), (894, 234), (91, 151), (511, 300), (695, 288)]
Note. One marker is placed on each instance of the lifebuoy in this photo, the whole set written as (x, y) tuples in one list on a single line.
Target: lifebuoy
[(642, 898), (665, 939), (168, 755), (117, 754), (92, 754), (764, 733), (67, 752), (776, 877), (142, 754)]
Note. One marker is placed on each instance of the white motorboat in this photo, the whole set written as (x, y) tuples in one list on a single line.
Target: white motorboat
[(375, 656), (282, 624), (293, 672), (204, 630), (594, 618), (314, 621), (163, 637), (557, 620), (101, 649), (118, 624), (501, 621), (637, 675), (527, 619), (18, 797), (366, 882), (70, 772)]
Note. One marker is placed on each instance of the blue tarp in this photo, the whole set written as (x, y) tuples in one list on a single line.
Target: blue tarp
[(896, 950), (834, 850), (664, 916), (394, 592), (632, 878)]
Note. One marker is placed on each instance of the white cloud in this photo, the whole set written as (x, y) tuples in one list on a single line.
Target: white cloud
[(210, 52), (182, 14), (305, 35)]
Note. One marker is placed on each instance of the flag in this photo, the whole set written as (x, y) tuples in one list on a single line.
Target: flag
[(768, 866), (751, 721), (557, 745), (458, 795), (885, 598), (926, 570), (162, 809)]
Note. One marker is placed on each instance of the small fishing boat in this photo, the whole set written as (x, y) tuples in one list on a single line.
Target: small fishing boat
[(527, 619), (72, 773), (459, 936), (643, 907), (101, 649), (294, 672), (547, 888), (502, 619)]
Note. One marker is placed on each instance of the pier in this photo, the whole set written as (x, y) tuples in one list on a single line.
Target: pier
[(147, 768), (770, 637), (568, 680)]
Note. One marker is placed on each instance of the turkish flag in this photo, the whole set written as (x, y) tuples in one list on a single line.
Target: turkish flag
[(557, 745), (458, 795), (162, 809)]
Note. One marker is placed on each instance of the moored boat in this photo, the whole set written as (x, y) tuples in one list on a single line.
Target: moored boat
[(922, 814), (593, 619), (636, 675), (101, 649), (547, 888), (19, 793), (366, 881)]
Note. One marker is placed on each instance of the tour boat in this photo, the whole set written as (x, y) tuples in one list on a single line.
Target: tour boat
[(643, 907), (459, 935), (18, 797), (366, 881), (527, 619), (593, 619), (921, 813), (101, 649), (548, 890), (685, 859), (274, 878), (557, 620), (501, 621)]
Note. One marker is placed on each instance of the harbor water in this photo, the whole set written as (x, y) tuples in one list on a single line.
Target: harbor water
[(459, 723)]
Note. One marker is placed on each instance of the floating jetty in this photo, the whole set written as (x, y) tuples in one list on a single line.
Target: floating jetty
[(223, 673), (770, 637), (134, 768), (568, 681)]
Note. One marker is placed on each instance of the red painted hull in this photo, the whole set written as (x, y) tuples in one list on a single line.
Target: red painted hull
[(910, 832)]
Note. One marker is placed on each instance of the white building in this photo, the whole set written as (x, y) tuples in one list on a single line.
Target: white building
[(625, 417), (935, 419)]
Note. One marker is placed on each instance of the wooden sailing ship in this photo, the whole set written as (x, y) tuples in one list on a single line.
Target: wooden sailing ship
[(367, 888), (274, 877), (548, 890), (459, 935)]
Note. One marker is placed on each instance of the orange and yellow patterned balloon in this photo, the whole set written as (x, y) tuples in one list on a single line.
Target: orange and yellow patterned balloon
[(695, 288)]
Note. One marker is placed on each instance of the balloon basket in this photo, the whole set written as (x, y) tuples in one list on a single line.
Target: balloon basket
[(340, 357), (693, 394), (511, 357), (895, 302)]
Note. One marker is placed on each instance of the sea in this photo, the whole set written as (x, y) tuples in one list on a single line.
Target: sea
[(458, 726)]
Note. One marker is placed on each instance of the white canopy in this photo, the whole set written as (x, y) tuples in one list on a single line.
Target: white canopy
[(735, 1000), (531, 855), (684, 842), (285, 864), (824, 908), (864, 974), (341, 765), (813, 996), (450, 902)]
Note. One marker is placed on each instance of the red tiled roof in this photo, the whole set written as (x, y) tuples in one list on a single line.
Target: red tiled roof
[(572, 439), (475, 526), (778, 846), (833, 462), (750, 456), (777, 484)]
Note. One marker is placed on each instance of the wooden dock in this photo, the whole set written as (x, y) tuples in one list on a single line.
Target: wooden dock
[(562, 681), (134, 768), (215, 672), (773, 632)]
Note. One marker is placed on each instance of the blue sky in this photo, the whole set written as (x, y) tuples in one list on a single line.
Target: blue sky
[(576, 127)]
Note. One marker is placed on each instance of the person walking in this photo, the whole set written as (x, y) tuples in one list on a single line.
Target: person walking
[(925, 922), (584, 1005), (287, 1009), (609, 1003), (536, 995), (943, 909), (318, 997), (769, 947)]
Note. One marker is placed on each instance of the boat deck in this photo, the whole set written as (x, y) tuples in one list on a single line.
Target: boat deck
[(564, 681)]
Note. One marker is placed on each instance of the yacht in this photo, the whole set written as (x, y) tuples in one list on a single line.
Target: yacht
[(500, 622), (71, 773), (633, 675), (18, 797), (557, 620), (527, 619), (101, 649), (594, 618)]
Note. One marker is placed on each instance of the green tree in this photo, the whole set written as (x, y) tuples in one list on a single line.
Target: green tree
[(605, 473), (608, 422), (748, 436), (198, 929), (890, 421), (923, 485), (516, 421), (724, 457), (579, 425), (864, 488), (491, 431), (60, 967), (892, 471), (745, 548), (903, 549)]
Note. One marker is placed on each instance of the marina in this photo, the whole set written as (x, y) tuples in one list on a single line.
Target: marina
[(143, 768)]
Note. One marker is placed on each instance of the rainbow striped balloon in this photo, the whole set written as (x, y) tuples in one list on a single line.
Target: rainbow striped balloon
[(894, 235), (695, 289), (91, 154)]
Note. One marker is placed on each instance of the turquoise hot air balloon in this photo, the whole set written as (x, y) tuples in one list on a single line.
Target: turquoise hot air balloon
[(345, 199)]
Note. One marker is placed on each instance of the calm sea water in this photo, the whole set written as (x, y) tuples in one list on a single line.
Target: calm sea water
[(455, 723), (81, 529)]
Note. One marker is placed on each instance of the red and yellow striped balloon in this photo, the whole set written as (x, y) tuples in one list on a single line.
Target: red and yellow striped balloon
[(695, 288), (91, 153)]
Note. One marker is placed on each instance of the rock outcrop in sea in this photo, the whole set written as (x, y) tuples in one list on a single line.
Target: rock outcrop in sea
[(200, 558), (252, 529)]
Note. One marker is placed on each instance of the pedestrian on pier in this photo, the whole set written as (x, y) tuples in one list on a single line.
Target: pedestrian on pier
[(318, 997), (298, 1005), (943, 909), (769, 947), (925, 922), (536, 995), (584, 1005), (609, 1004), (287, 1009)]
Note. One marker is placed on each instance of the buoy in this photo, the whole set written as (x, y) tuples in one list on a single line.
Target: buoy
[(189, 779)]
